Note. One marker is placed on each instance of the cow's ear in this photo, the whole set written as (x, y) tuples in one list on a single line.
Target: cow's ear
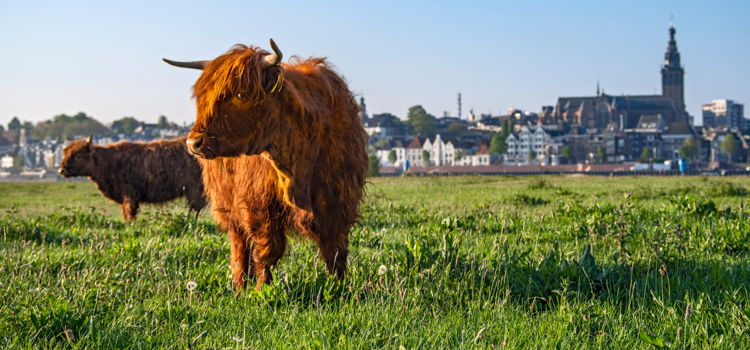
[(90, 141)]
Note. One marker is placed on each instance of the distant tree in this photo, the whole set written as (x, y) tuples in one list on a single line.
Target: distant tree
[(2, 128), (730, 146), (392, 158), (601, 153), (532, 154), (497, 144), (506, 127), (28, 126), (645, 154), (413, 112), (18, 161), (66, 127), (425, 157), (382, 143), (374, 164), (689, 148), (458, 128), (164, 123), (458, 155), (421, 122), (125, 125), (566, 152), (14, 124)]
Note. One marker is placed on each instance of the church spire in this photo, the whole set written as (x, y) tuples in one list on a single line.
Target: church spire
[(672, 76), (672, 56)]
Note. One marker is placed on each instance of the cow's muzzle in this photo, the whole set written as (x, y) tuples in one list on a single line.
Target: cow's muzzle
[(198, 147)]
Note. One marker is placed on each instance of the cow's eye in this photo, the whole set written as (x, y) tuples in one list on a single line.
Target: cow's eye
[(241, 96)]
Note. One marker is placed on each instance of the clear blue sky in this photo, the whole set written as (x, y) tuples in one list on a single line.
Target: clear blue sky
[(104, 58)]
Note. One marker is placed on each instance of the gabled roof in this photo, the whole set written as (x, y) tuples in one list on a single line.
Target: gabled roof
[(643, 102), (678, 128), (416, 142), (572, 104), (623, 102)]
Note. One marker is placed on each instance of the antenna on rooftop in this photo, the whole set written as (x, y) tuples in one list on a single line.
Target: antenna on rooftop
[(459, 105)]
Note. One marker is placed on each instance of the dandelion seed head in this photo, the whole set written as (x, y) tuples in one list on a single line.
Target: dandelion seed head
[(382, 270), (191, 285)]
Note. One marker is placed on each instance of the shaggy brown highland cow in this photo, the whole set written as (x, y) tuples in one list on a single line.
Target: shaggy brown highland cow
[(281, 147), (131, 173)]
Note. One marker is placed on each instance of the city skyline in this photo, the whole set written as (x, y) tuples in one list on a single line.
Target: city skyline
[(395, 55)]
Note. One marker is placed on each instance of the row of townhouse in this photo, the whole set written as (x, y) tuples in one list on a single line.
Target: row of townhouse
[(420, 151), (534, 145)]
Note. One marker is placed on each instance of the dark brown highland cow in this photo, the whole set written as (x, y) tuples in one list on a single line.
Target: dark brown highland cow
[(281, 147), (131, 173)]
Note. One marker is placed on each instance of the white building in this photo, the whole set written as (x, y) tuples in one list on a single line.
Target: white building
[(6, 162), (399, 150), (441, 153), (414, 152), (545, 147), (481, 157), (454, 153)]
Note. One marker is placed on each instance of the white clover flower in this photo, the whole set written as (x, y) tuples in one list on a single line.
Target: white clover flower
[(191, 285), (382, 270)]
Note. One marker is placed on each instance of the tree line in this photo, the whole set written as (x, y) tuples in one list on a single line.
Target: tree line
[(63, 126)]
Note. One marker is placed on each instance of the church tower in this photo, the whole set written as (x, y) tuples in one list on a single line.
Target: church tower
[(363, 117), (672, 74)]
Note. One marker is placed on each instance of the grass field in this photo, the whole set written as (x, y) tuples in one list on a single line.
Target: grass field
[(446, 262)]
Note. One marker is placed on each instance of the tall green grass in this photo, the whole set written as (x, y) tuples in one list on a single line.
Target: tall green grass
[(464, 262)]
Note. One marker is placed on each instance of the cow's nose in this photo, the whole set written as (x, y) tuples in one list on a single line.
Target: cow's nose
[(194, 145)]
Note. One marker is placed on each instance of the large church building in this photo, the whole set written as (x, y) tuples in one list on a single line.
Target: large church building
[(605, 112)]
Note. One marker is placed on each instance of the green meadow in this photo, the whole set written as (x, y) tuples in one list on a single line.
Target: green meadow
[(436, 263)]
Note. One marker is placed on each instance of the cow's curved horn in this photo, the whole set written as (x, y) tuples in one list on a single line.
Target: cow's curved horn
[(274, 58), (192, 64)]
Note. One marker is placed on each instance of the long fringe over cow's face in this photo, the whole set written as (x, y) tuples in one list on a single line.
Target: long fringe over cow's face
[(230, 95)]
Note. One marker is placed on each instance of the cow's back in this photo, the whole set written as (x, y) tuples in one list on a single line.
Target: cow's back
[(154, 172)]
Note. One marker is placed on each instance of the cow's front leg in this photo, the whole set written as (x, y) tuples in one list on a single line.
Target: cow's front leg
[(269, 246), (335, 252), (129, 208), (239, 257)]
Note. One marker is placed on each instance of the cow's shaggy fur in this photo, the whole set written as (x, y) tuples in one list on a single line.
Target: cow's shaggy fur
[(281, 147), (131, 173)]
